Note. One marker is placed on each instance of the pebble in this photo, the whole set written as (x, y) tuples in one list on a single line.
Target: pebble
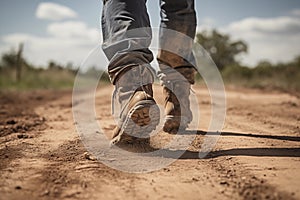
[(11, 122), (166, 169), (18, 187), (223, 182), (89, 156), (22, 136), (195, 179), (46, 193)]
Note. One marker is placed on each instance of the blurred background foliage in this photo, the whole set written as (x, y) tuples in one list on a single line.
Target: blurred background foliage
[(52, 76), (16, 73), (265, 75)]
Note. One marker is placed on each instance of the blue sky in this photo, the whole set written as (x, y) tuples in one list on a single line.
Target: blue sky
[(270, 27)]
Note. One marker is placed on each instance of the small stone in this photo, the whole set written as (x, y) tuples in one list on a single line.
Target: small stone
[(11, 122), (89, 156), (46, 193), (223, 182), (22, 136), (84, 185), (195, 179), (166, 169), (18, 187)]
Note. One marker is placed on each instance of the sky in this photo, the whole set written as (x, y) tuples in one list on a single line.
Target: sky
[(67, 30)]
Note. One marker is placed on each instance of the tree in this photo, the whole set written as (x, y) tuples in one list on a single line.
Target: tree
[(52, 65), (297, 61), (14, 60), (9, 59), (19, 62), (222, 50)]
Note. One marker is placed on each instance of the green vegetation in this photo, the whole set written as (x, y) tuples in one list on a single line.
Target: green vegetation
[(17, 74), (220, 47), (282, 76)]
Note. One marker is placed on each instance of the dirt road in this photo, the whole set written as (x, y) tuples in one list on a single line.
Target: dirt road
[(256, 157)]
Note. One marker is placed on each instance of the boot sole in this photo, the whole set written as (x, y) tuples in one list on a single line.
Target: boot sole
[(141, 120)]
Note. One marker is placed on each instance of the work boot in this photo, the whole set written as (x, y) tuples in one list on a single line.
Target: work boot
[(176, 91), (137, 112)]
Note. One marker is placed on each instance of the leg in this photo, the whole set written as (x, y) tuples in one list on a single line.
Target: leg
[(176, 60), (126, 34), (179, 16)]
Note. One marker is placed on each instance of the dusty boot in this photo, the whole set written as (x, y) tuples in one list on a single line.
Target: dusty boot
[(137, 112), (176, 91)]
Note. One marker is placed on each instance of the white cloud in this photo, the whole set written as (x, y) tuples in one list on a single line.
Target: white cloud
[(207, 24), (274, 39), (296, 12), (279, 25), (66, 42), (72, 29), (53, 11), (16, 38)]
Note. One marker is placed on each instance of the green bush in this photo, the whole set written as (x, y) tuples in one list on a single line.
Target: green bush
[(285, 77)]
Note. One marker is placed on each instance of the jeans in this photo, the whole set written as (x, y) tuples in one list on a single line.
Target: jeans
[(127, 34)]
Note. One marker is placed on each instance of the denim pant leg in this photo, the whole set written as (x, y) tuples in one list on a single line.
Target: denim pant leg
[(126, 35), (176, 46)]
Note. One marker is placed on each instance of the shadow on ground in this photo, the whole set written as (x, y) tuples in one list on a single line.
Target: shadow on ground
[(259, 152)]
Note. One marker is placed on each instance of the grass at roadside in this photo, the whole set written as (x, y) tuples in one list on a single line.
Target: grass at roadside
[(41, 79), (283, 78)]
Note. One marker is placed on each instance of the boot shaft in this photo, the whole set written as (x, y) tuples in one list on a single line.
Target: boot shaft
[(131, 86)]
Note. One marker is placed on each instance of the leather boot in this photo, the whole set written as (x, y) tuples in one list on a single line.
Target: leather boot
[(137, 112), (176, 92)]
